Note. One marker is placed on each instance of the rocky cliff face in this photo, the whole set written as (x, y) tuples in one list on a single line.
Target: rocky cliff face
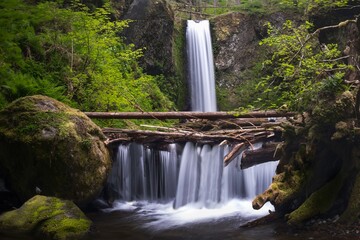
[(236, 39), (152, 29), (347, 37)]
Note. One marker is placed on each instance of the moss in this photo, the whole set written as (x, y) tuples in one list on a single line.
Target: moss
[(283, 189), (46, 144), (289, 187), (327, 113), (352, 211), (179, 64), (48, 217), (65, 228), (318, 203)]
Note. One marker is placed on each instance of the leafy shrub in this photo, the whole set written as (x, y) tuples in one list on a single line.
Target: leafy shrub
[(74, 55)]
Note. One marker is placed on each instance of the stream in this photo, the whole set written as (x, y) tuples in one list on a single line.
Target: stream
[(144, 220)]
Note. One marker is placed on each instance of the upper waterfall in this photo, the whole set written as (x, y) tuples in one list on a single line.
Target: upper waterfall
[(200, 66)]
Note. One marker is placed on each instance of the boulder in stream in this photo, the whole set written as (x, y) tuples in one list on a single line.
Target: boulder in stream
[(46, 218), (49, 148)]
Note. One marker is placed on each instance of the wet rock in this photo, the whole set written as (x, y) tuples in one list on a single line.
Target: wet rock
[(318, 173), (236, 39), (152, 28), (46, 218), (47, 145)]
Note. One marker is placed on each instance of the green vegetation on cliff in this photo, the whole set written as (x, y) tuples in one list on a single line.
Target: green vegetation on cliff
[(298, 70), (72, 54), (217, 7)]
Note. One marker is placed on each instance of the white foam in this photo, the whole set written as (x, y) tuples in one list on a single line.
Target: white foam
[(164, 216)]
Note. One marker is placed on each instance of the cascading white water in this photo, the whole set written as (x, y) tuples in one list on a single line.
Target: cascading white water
[(193, 174), (203, 179), (140, 173), (196, 176), (200, 66)]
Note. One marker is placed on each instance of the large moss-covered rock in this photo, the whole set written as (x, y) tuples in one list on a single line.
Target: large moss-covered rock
[(49, 147), (316, 176), (47, 218)]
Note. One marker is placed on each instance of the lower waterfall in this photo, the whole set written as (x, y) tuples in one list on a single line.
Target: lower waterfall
[(192, 174)]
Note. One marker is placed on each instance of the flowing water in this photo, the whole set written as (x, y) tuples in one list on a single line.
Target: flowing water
[(183, 187), (200, 66), (184, 191)]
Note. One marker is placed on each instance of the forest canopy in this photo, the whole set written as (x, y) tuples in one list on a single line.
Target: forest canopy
[(73, 54)]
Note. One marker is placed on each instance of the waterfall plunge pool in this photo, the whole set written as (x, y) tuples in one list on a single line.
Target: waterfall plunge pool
[(180, 189), (146, 220), (147, 183), (143, 221)]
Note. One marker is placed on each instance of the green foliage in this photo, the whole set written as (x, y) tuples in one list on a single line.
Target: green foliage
[(179, 79), (299, 70), (313, 5), (74, 55), (266, 6)]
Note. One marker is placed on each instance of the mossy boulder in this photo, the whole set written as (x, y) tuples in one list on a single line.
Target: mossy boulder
[(317, 176), (46, 218), (48, 146)]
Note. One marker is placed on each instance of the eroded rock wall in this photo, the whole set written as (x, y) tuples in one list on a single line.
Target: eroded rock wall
[(236, 39), (152, 29)]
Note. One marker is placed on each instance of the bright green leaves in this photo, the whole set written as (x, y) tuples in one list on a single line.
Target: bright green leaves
[(74, 54), (307, 6), (299, 70)]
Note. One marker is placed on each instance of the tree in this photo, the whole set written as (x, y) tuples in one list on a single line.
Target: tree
[(74, 55), (299, 70)]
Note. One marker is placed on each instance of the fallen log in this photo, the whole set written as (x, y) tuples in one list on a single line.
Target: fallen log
[(267, 153), (117, 135), (235, 123), (146, 136), (186, 115)]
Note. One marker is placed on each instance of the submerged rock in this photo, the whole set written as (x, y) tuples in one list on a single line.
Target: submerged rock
[(48, 147), (47, 218)]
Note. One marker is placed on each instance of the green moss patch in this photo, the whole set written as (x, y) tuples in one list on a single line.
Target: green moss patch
[(46, 217), (48, 145), (318, 202)]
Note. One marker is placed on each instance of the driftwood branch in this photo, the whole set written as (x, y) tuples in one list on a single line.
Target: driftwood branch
[(234, 153)]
